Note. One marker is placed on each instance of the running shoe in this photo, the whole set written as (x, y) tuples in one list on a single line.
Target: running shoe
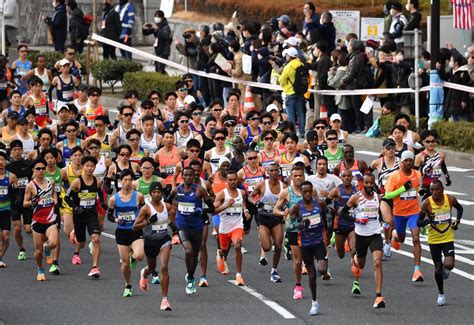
[(423, 231), (203, 282), (165, 305), (239, 280), (22, 256), (445, 270), (47, 254), (94, 273), (127, 292), (441, 299), (243, 250), (304, 271), (72, 238), (91, 247), (379, 302), (287, 248), (143, 280), (220, 263), (298, 293), (175, 240), (155, 278), (263, 261), (396, 245), (387, 249), (275, 277), (226, 269), (314, 308), (355, 270), (347, 248), (273, 248), (76, 259), (54, 269), (214, 232), (355, 288), (3, 265), (190, 286), (333, 239), (133, 262), (417, 276), (40, 276), (327, 276)]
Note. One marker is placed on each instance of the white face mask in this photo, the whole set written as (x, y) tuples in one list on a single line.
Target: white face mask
[(157, 20), (54, 3), (198, 34), (451, 64), (259, 56)]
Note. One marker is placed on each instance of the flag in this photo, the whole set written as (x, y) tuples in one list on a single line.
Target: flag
[(462, 14)]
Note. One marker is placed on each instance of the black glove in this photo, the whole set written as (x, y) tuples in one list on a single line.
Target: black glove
[(305, 223), (422, 223), (407, 185), (455, 225), (448, 180), (153, 219), (260, 205), (78, 210), (173, 228), (422, 191)]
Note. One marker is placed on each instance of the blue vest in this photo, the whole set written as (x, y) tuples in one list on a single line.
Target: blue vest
[(313, 235), (126, 212), (188, 214)]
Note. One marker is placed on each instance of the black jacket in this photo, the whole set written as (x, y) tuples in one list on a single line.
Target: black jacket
[(111, 24), (354, 69), (58, 24), (77, 27), (163, 34), (454, 98)]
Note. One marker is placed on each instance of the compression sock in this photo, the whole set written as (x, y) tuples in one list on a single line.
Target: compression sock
[(439, 281), (417, 268)]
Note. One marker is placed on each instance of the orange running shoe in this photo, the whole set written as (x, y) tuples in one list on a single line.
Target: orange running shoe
[(347, 248), (175, 240), (355, 270), (417, 276), (220, 263), (239, 280), (396, 245)]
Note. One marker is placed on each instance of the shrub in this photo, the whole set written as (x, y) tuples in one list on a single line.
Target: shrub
[(387, 123), (144, 82), (456, 135), (112, 71)]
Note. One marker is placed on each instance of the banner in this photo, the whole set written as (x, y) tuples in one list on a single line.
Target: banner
[(371, 28), (167, 7), (462, 12), (346, 22)]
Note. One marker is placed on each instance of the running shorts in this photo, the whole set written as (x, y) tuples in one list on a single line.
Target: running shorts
[(41, 228), (5, 220), (363, 243), (18, 211), (447, 249), (153, 247), (345, 231), (234, 235), (267, 220), (292, 238), (309, 253), (401, 223), (126, 237), (80, 227)]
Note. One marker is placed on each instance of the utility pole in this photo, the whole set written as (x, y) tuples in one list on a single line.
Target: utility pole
[(435, 33), (436, 84), (2, 5)]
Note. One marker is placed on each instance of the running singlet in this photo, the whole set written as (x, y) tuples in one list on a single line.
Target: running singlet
[(126, 212), (5, 202), (313, 234), (181, 140), (67, 150), (407, 203), (193, 128), (385, 172), (65, 93), (91, 114), (54, 178), (168, 162), (231, 218), (21, 113), (105, 148), (430, 168), (286, 165), (341, 223), (86, 199), (218, 183), (439, 229), (250, 136), (43, 207), (367, 216), (215, 157), (356, 174), (157, 230), (251, 180), (28, 144), (144, 187), (333, 159), (136, 157), (100, 170), (266, 160), (269, 199), (150, 145), (41, 110), (188, 212), (22, 68)]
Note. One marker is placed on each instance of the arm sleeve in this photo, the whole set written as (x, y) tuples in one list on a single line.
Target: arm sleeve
[(395, 193), (459, 210)]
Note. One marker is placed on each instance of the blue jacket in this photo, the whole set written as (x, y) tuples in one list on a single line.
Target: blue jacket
[(127, 17)]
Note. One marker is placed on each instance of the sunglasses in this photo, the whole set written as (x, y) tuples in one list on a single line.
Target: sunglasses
[(183, 121), (320, 127), (94, 95), (267, 123), (123, 154), (134, 139), (71, 130), (94, 148), (217, 110), (251, 158), (229, 125), (99, 125), (155, 98), (331, 139), (40, 168), (430, 141), (147, 107), (128, 114), (390, 148), (268, 139), (219, 138), (197, 113), (194, 150), (254, 119), (183, 89)]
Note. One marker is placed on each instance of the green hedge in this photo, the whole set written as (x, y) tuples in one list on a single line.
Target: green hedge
[(387, 123), (112, 71), (52, 57), (456, 135), (144, 82)]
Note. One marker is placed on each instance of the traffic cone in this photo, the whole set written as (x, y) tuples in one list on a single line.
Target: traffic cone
[(323, 112), (249, 104)]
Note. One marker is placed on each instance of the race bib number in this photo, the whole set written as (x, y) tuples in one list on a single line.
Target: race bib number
[(436, 172), (46, 202), (442, 218), (86, 203), (41, 110), (237, 129), (314, 220), (22, 182), (160, 226), (408, 195), (4, 190), (234, 210), (127, 216), (169, 170), (68, 94), (186, 207), (147, 198), (286, 170), (57, 188)]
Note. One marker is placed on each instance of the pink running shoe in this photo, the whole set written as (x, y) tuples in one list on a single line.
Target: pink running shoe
[(76, 259), (298, 293)]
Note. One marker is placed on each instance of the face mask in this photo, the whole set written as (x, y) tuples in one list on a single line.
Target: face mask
[(451, 64), (198, 34), (213, 40), (230, 49), (408, 7), (259, 56), (157, 20), (54, 3), (369, 190)]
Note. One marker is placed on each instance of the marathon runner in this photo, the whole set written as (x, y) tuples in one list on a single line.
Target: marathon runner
[(334, 151), (437, 211), (358, 167), (156, 218)]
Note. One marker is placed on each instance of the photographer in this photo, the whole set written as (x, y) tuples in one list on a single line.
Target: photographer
[(190, 48), (162, 32)]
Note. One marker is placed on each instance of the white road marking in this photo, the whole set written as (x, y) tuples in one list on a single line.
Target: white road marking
[(467, 222), (466, 202), (462, 259), (454, 193), (465, 241), (368, 153), (458, 169), (107, 235), (270, 303), (467, 251)]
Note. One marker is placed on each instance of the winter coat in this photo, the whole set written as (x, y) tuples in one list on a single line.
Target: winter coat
[(163, 35), (58, 24), (354, 69), (77, 27), (335, 81), (111, 24), (454, 98)]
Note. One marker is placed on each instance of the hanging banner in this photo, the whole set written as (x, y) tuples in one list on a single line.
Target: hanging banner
[(346, 21), (371, 28), (167, 7)]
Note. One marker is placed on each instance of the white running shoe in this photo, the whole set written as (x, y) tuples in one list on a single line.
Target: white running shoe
[(314, 308), (441, 299), (387, 249)]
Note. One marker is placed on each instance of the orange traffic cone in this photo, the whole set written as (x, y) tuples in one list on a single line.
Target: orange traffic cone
[(249, 104), (323, 112)]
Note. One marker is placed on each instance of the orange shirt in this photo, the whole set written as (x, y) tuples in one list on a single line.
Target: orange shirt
[(407, 203), (218, 183), (168, 162)]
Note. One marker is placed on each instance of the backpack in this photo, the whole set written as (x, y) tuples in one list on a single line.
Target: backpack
[(301, 83)]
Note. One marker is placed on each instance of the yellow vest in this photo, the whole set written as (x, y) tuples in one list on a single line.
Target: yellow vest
[(440, 230)]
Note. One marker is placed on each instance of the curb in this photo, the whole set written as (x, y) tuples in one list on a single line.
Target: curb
[(460, 159)]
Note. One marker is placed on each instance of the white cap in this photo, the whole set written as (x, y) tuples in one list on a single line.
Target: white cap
[(407, 154), (189, 99), (272, 107), (298, 160), (292, 41), (335, 117), (292, 52), (223, 160), (64, 62)]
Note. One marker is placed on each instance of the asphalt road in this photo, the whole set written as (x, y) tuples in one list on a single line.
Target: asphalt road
[(73, 298)]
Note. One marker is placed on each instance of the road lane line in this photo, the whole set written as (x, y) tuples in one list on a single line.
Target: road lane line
[(108, 235), (426, 260), (368, 153), (466, 202), (454, 193), (426, 248), (270, 303), (467, 222)]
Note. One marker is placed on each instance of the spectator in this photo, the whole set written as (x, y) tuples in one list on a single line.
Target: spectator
[(387, 17), (335, 75), (415, 15), (283, 26), (12, 20), (383, 73), (162, 32), (6, 77), (110, 28), (190, 48), (78, 30), (58, 25), (456, 103), (126, 11), (311, 19), (401, 70), (249, 34), (236, 70), (398, 24), (327, 30), (200, 82), (295, 103), (321, 66)]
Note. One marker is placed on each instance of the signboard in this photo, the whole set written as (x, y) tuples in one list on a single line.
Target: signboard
[(371, 28), (346, 22), (167, 7)]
